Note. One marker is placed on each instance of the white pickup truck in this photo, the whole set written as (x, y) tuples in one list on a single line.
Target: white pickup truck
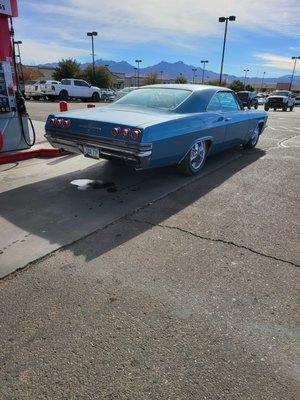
[(72, 88), (36, 89)]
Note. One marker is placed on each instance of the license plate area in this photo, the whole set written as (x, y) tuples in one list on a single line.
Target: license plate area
[(91, 151)]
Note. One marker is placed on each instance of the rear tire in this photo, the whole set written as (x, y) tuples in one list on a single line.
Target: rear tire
[(266, 108), (63, 95), (96, 97), (291, 108), (194, 160), (256, 106), (253, 139), (284, 108)]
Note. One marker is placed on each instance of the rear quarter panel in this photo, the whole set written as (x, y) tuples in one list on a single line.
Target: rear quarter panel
[(172, 140)]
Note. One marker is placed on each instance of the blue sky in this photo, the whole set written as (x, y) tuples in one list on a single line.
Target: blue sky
[(263, 38)]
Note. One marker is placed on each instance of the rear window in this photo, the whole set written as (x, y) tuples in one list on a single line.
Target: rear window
[(156, 97), (243, 96)]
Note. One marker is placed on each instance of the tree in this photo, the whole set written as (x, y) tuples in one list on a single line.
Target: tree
[(102, 79), (30, 74), (237, 86), (67, 68), (151, 78), (180, 79), (249, 88)]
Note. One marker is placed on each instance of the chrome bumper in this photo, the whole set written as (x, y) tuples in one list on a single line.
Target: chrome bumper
[(137, 155)]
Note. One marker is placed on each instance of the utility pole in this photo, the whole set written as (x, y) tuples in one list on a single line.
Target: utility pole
[(293, 73), (194, 72), (245, 70), (138, 71), (224, 19), (203, 70), (262, 81), (92, 34)]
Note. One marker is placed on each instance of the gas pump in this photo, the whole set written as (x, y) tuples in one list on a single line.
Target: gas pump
[(14, 130)]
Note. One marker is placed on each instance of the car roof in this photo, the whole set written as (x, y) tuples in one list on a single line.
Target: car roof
[(187, 86)]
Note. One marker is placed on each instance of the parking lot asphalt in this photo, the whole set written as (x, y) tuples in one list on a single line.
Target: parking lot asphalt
[(171, 288)]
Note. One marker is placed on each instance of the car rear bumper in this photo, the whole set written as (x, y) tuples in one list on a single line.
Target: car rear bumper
[(137, 155)]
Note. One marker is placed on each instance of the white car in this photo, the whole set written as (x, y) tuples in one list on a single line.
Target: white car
[(261, 99), (124, 91), (73, 88), (297, 99)]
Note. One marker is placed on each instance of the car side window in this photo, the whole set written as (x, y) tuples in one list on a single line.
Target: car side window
[(228, 101), (66, 82), (80, 83), (214, 104)]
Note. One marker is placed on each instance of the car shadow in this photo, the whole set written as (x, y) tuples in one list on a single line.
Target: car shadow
[(58, 212)]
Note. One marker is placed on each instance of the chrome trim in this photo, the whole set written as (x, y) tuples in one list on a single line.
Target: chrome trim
[(137, 154)]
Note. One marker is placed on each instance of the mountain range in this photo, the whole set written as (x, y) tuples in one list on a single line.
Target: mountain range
[(171, 70)]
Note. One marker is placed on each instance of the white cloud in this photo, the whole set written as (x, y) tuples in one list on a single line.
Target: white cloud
[(36, 52), (275, 61)]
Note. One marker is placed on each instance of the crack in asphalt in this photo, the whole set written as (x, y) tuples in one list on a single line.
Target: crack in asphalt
[(228, 242)]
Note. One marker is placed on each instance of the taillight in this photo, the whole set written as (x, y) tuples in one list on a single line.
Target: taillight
[(126, 132), (136, 134), (65, 123), (115, 131)]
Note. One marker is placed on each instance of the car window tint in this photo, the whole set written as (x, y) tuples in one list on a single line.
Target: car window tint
[(228, 101), (66, 82), (214, 103)]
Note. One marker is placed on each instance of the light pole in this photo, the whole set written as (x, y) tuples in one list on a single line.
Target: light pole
[(161, 75), (194, 72), (224, 19), (262, 81), (245, 70), (18, 42), (203, 70), (92, 34), (293, 73), (135, 72), (138, 71)]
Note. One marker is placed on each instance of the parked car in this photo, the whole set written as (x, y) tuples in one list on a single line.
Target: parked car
[(120, 93), (261, 98), (73, 88), (248, 99), (36, 89), (283, 99), (297, 99), (159, 125), (108, 95)]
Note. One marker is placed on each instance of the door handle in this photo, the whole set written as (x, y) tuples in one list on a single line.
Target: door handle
[(220, 119)]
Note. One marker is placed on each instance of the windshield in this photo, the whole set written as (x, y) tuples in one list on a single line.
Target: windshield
[(156, 97), (280, 93)]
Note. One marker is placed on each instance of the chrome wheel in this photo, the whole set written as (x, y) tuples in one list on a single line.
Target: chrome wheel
[(197, 155), (255, 136)]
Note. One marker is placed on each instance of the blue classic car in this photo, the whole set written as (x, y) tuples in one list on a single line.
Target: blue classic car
[(159, 125)]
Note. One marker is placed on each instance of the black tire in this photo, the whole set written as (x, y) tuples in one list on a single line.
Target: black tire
[(266, 108), (291, 108), (252, 142), (275, 109), (284, 108), (186, 166), (95, 97), (256, 106), (63, 95)]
